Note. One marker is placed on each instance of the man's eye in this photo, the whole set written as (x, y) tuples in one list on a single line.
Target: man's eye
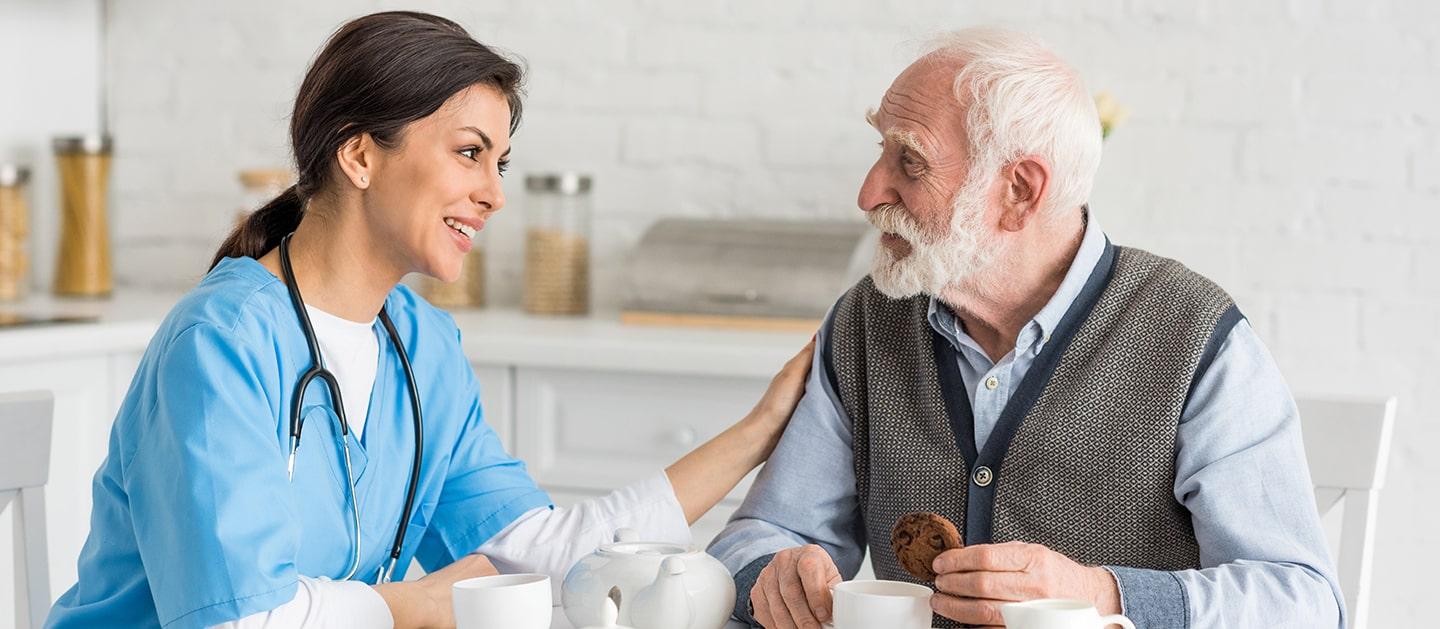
[(470, 153)]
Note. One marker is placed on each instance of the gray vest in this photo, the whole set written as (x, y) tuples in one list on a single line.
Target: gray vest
[(1082, 458)]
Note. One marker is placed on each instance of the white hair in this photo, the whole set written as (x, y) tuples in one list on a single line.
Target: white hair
[(1021, 99)]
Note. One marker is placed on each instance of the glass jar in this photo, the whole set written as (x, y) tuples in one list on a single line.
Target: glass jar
[(14, 233), (83, 268), (467, 291), (259, 186), (557, 244)]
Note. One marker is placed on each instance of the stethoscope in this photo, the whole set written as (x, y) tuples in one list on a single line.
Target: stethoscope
[(317, 370)]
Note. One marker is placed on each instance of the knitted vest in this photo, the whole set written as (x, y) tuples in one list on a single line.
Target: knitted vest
[(1082, 459)]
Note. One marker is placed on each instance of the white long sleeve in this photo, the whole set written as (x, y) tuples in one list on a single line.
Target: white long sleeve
[(550, 541), (323, 604), (543, 540)]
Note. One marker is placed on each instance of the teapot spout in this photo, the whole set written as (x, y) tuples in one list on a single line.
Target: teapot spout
[(664, 604)]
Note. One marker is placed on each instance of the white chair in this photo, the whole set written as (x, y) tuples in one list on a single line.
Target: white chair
[(24, 469), (1348, 445)]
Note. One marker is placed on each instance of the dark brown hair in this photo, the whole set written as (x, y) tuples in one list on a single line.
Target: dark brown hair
[(375, 75)]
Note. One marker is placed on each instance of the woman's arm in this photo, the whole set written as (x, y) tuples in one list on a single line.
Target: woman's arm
[(705, 475), (659, 508)]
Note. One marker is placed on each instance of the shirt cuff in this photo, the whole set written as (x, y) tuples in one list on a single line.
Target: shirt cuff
[(670, 516), (359, 603), (1152, 599), (744, 582)]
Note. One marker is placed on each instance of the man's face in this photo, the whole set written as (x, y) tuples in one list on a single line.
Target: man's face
[(921, 193)]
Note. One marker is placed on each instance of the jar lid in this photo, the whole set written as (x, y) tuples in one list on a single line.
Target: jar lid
[(90, 144), (561, 183), (12, 175)]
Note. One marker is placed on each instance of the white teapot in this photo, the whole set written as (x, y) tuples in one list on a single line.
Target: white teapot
[(609, 613), (655, 586)]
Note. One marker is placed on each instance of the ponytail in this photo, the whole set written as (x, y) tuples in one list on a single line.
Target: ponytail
[(262, 230)]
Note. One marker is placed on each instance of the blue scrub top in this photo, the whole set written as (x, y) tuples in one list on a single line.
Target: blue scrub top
[(194, 521)]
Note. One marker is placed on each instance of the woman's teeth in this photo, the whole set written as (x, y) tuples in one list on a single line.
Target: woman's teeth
[(466, 230)]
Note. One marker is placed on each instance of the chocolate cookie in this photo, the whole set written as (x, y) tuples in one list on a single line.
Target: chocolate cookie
[(918, 538)]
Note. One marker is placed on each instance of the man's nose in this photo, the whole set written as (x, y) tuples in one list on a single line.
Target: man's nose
[(876, 189)]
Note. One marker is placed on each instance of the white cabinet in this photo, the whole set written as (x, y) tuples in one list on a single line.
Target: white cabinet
[(590, 429), (585, 432), (497, 395)]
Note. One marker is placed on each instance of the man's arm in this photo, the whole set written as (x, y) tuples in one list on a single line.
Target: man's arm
[(1241, 471), (805, 493)]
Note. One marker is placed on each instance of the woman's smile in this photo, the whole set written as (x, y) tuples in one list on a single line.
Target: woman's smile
[(462, 231)]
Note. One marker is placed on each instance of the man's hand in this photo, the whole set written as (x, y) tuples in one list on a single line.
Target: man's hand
[(976, 580), (427, 602), (793, 592)]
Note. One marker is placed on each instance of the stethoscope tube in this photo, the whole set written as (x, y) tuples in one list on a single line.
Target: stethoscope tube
[(317, 370), (417, 419)]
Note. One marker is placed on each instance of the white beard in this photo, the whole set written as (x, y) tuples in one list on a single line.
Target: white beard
[(958, 258)]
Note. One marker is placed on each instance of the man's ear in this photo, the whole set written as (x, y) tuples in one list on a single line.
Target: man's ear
[(356, 157), (1026, 185)]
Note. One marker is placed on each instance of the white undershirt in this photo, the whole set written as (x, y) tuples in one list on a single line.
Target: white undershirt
[(546, 541), (352, 352)]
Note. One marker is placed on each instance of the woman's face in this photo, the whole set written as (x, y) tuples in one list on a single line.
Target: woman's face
[(430, 194)]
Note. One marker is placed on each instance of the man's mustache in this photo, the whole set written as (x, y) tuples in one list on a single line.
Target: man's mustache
[(894, 218)]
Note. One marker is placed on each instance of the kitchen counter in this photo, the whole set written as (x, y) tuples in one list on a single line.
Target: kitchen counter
[(490, 336), (121, 324)]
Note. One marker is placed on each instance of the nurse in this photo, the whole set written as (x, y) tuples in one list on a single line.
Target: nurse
[(401, 133)]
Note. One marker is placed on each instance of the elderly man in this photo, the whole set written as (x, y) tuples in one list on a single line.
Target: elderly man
[(1101, 423)]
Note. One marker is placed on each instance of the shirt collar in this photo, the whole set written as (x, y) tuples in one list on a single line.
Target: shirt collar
[(1038, 331)]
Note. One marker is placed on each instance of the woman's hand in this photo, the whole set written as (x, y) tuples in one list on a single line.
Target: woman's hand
[(772, 413), (427, 601)]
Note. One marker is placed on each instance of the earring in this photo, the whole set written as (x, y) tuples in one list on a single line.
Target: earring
[(364, 180)]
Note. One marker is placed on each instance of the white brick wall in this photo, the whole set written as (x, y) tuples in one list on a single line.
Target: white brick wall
[(49, 86), (1287, 148)]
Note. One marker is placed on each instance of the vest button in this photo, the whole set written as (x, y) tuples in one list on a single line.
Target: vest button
[(983, 476)]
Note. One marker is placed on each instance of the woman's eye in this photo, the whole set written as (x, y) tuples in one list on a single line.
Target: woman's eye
[(503, 166), (470, 153)]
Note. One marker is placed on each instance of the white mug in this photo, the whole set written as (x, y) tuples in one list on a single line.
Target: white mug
[(1054, 613), (888, 604), (506, 601)]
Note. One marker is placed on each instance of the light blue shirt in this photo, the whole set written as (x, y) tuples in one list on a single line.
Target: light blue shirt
[(194, 521), (1240, 471)]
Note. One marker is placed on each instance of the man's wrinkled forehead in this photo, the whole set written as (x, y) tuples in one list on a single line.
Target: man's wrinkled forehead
[(919, 103)]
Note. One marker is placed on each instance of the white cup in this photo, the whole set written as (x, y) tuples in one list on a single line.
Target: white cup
[(888, 604), (506, 601), (1054, 613)]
